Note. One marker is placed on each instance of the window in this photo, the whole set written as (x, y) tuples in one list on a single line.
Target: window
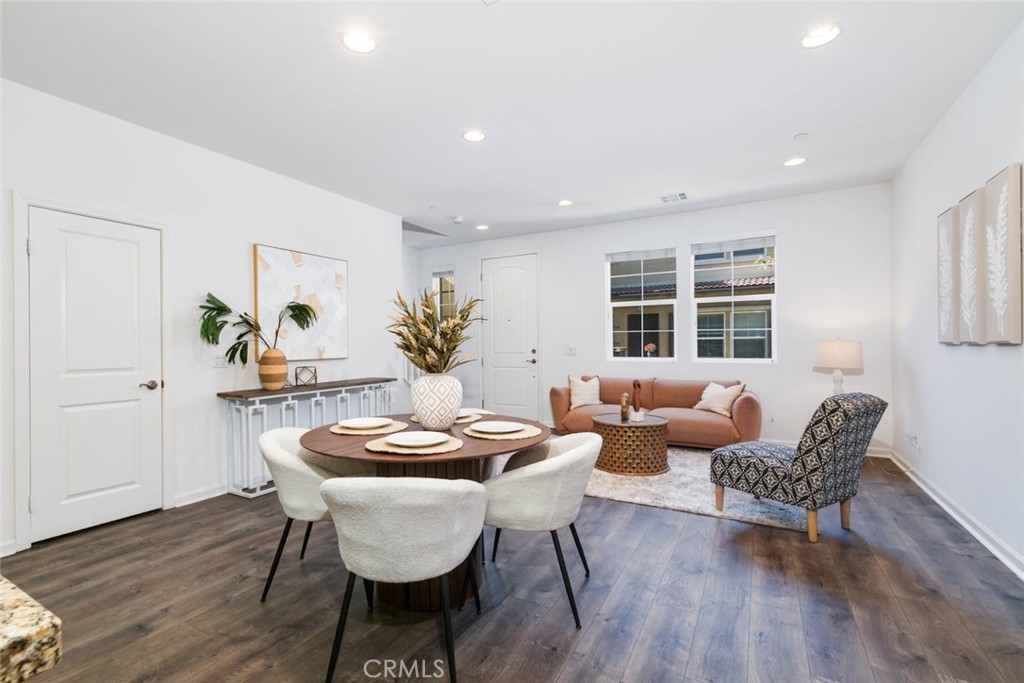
[(444, 284), (734, 299), (642, 303)]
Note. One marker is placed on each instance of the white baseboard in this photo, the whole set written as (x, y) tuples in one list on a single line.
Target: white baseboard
[(1003, 552), (199, 495), (8, 548)]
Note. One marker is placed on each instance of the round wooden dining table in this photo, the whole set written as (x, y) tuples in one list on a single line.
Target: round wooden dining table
[(464, 463)]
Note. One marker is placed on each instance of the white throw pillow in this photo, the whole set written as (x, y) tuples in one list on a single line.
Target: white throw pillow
[(584, 393), (718, 399)]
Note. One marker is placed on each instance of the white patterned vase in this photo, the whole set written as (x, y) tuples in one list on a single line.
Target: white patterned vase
[(436, 400)]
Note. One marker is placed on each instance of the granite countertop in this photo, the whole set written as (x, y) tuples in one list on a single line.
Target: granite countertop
[(30, 635)]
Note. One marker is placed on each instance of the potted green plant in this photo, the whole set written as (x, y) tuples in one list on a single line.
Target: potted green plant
[(273, 365), (431, 342)]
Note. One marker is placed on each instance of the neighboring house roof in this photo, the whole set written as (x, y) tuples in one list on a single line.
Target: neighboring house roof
[(711, 285), (737, 283)]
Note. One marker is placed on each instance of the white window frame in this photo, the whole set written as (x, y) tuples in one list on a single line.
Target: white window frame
[(733, 299), (610, 307)]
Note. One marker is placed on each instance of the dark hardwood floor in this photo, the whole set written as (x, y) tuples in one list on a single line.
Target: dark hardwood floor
[(906, 595)]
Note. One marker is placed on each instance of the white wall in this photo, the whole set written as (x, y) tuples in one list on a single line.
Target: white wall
[(833, 280), (966, 403), (211, 208)]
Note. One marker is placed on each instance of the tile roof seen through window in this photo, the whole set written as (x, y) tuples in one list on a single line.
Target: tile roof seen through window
[(737, 283), (710, 285)]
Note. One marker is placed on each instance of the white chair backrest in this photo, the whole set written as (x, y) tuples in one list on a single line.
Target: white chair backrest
[(297, 481), (403, 529), (543, 494)]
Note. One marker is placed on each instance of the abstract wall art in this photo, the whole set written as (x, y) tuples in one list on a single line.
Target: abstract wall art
[(284, 275)]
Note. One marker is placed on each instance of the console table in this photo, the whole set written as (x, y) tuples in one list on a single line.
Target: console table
[(254, 411)]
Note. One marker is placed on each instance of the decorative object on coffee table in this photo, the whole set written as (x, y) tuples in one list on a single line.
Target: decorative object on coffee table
[(632, 448), (305, 376), (431, 343), (273, 364)]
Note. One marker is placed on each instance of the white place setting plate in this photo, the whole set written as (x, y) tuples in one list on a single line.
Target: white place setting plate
[(498, 427), (417, 439), (365, 422), (466, 412)]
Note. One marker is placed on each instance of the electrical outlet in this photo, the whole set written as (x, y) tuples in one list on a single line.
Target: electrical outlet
[(218, 360)]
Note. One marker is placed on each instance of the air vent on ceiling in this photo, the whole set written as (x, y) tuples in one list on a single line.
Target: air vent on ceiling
[(673, 197)]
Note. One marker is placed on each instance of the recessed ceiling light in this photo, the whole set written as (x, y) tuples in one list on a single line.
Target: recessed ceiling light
[(482, 227), (359, 41), (820, 36), (474, 135), (795, 161), (565, 202)]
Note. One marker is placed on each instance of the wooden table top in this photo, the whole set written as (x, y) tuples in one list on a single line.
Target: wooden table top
[(322, 440), (615, 420)]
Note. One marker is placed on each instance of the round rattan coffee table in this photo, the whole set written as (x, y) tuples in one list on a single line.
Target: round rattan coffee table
[(636, 449)]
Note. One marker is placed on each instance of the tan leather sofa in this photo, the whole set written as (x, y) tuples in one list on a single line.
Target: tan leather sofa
[(672, 399)]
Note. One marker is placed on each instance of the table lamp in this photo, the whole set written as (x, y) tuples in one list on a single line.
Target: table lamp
[(838, 355)]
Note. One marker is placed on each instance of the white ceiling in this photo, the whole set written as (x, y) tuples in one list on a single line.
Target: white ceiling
[(609, 104)]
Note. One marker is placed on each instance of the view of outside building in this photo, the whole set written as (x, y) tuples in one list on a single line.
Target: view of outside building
[(734, 298), (642, 298)]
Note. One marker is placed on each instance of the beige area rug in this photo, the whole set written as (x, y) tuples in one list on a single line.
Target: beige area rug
[(687, 486)]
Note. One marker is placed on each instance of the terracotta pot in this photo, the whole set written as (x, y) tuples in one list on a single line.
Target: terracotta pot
[(436, 400), (273, 370)]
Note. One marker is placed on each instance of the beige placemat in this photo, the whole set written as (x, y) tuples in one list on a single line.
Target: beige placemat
[(461, 421), (382, 446), (526, 432), (395, 426)]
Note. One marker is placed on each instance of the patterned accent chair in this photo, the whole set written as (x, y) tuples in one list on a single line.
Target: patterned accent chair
[(822, 470)]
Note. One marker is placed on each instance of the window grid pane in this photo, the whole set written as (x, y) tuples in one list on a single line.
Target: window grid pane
[(728, 324)]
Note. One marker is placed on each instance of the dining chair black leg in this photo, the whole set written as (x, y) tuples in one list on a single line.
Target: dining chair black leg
[(449, 639), (465, 583), (565, 578), (579, 547), (277, 558), (494, 547), (483, 549), (368, 587), (341, 625), (305, 540), (475, 587)]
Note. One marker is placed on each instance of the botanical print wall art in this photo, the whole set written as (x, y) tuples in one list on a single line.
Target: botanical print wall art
[(1003, 256), (284, 275), (972, 283), (979, 264), (949, 277)]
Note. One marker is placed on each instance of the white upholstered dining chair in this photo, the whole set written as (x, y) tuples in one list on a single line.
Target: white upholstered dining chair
[(401, 530), (541, 489), (297, 474)]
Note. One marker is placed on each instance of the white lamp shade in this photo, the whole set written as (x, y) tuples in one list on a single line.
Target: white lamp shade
[(839, 354)]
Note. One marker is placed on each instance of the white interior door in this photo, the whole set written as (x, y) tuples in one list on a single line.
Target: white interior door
[(511, 363), (94, 309)]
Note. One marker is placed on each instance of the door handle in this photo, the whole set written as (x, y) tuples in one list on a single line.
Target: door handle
[(532, 360), (151, 385)]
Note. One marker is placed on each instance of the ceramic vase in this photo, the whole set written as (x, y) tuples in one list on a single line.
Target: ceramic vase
[(273, 369), (436, 400)]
